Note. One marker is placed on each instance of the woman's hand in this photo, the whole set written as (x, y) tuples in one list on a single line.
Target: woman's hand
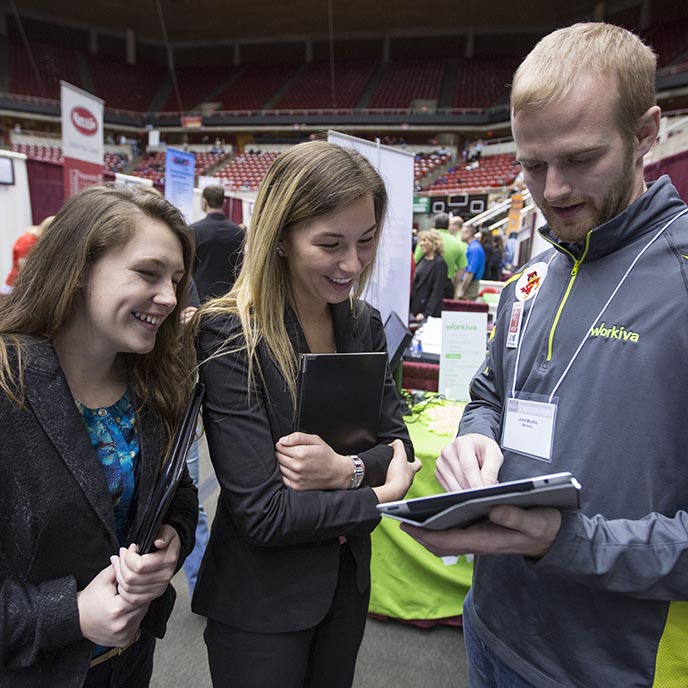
[(105, 617), (400, 474), (307, 462), (143, 578)]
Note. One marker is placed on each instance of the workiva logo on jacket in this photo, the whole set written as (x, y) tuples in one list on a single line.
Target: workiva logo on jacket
[(614, 332), (84, 121)]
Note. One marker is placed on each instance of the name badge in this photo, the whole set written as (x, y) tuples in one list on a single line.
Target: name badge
[(529, 426), (515, 321)]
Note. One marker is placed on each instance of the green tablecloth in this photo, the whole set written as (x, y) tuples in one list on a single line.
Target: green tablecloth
[(407, 581)]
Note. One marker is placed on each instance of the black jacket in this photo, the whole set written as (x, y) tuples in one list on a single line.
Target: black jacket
[(219, 245), (272, 561), (57, 530), (428, 286)]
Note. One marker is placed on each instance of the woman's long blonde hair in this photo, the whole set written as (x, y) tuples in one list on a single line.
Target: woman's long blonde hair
[(306, 181), (49, 285)]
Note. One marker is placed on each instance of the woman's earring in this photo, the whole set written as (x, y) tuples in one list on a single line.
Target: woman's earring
[(280, 251)]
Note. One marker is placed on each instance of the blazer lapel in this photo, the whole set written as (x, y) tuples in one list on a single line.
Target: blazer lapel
[(49, 397)]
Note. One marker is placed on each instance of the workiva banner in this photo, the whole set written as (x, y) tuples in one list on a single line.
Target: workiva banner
[(82, 138)]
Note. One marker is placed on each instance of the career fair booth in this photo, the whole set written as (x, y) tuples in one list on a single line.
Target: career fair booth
[(408, 582)]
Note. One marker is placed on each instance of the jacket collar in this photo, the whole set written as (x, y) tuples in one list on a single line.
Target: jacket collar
[(642, 217), (49, 397)]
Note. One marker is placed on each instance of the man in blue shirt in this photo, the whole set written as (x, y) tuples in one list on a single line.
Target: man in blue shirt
[(475, 255)]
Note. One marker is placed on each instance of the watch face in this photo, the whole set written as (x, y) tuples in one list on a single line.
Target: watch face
[(359, 470)]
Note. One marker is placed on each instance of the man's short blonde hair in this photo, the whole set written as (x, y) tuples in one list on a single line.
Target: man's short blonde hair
[(603, 51)]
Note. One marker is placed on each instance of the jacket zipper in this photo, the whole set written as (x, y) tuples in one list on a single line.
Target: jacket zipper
[(574, 272)]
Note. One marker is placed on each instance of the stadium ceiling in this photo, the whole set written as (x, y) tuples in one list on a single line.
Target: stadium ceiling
[(190, 22)]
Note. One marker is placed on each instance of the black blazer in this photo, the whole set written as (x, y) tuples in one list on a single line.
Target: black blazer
[(427, 291), (219, 245), (272, 561), (57, 529)]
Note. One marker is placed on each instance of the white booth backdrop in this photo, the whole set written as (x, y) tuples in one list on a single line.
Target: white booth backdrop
[(15, 210)]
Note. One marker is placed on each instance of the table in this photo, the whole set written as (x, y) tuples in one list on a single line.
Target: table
[(407, 581)]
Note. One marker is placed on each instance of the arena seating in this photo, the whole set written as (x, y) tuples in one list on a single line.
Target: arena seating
[(425, 163), (481, 82), (493, 171), (312, 90), (195, 84), (112, 162), (126, 87), (670, 41), (254, 87), (153, 165), (53, 63), (405, 81), (246, 171)]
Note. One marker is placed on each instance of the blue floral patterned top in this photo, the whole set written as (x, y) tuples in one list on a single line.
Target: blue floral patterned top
[(113, 434)]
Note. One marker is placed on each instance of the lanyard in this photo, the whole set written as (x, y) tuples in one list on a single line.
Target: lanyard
[(599, 315)]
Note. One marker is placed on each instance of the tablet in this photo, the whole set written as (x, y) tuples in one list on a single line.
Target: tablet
[(463, 508)]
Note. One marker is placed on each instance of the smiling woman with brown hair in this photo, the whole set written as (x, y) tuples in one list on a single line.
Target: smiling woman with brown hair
[(94, 372)]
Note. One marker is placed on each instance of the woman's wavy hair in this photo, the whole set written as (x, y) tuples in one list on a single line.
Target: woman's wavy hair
[(306, 181), (435, 239), (49, 286)]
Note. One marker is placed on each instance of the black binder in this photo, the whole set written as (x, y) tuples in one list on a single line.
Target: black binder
[(171, 473), (340, 398)]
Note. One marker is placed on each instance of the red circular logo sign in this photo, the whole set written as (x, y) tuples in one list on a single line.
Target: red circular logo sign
[(84, 121)]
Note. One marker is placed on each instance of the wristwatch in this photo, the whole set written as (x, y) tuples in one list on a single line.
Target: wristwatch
[(359, 472)]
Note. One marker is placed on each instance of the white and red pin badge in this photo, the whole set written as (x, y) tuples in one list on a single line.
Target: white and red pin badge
[(530, 281)]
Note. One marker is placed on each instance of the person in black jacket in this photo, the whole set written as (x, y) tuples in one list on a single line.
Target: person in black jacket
[(219, 246), (285, 580), (429, 280), (94, 372)]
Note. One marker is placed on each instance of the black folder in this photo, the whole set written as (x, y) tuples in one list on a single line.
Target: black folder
[(340, 398), (171, 473)]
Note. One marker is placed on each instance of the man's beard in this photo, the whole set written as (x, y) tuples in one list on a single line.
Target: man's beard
[(615, 203)]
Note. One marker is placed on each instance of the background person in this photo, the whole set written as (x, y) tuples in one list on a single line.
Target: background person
[(20, 250), (454, 253), (94, 374), (554, 592), (469, 286), (219, 246), (511, 252), (455, 225), (497, 262), (430, 278), (285, 580)]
